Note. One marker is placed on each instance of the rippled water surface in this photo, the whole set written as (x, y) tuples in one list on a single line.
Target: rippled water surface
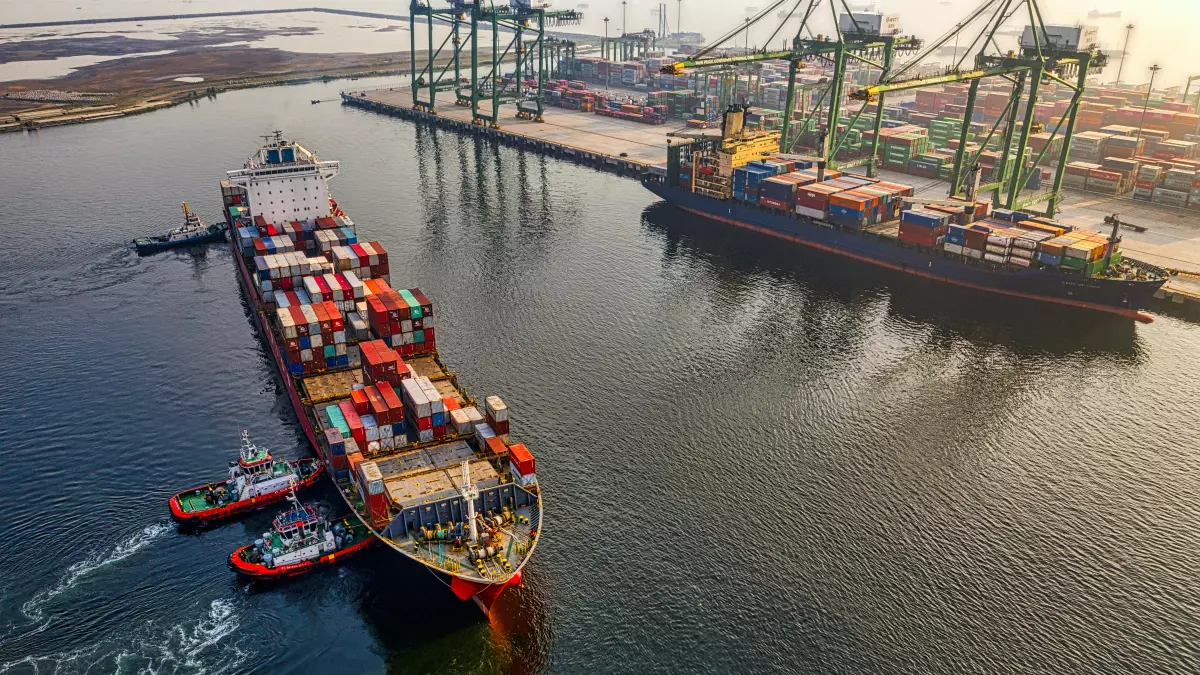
[(756, 459)]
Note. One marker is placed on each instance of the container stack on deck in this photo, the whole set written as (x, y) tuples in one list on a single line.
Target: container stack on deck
[(971, 230)]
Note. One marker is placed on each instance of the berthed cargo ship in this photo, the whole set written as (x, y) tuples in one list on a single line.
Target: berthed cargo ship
[(737, 179), (431, 475)]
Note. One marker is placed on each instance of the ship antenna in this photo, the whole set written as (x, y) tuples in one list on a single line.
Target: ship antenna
[(470, 493), (247, 446)]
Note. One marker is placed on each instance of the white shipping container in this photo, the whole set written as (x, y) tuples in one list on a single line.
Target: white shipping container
[(474, 415), (387, 442), (520, 479), (1022, 253), (385, 431), (999, 251), (973, 253), (496, 408), (993, 258), (999, 240), (484, 432), (425, 434), (953, 248), (414, 397), (460, 420), (1020, 262)]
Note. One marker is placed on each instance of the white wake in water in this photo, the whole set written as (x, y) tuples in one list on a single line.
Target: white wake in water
[(194, 646), (33, 608)]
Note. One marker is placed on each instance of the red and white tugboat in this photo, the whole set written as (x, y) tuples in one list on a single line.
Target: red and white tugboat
[(300, 540), (255, 480)]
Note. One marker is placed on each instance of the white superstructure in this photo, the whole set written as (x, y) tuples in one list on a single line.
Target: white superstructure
[(285, 182)]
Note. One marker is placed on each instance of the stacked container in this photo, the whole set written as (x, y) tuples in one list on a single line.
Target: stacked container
[(314, 337), (381, 363), (367, 260), (380, 406), (923, 227), (374, 496), (404, 319), (496, 413)]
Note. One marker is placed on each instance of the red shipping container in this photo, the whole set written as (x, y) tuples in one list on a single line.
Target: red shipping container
[(424, 423), (439, 431), (450, 403), (496, 446), (362, 405), (929, 238), (356, 426), (522, 459), (339, 462), (395, 405), (379, 408), (773, 203)]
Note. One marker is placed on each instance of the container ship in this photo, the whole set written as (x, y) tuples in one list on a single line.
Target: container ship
[(740, 180), (432, 474)]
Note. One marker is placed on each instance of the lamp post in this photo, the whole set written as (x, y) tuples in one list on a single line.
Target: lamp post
[(623, 31), (679, 17), (1153, 71)]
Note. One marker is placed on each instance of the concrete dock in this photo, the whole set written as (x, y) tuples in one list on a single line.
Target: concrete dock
[(605, 142), (1171, 239)]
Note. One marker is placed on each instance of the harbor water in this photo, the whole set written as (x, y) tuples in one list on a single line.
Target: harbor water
[(755, 458)]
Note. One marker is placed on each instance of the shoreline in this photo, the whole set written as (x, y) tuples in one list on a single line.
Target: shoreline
[(136, 103)]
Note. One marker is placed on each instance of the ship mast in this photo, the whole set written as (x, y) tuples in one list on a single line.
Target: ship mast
[(470, 493)]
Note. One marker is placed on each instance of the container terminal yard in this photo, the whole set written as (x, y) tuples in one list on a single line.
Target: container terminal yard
[(1070, 148)]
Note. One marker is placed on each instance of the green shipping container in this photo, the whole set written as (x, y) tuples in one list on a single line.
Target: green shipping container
[(1074, 263)]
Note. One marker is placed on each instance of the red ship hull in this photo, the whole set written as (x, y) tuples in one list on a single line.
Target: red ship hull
[(257, 571), (253, 504)]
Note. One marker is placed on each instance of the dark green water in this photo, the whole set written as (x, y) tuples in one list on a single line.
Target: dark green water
[(756, 459)]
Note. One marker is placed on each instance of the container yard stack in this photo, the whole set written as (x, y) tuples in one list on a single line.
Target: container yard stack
[(1148, 177)]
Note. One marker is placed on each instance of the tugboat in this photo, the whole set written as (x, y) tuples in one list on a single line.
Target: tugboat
[(300, 540), (193, 231), (255, 480)]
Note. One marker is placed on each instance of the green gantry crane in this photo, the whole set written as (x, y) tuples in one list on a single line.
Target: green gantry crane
[(1188, 88), (874, 50), (518, 18), (1032, 66), (628, 46)]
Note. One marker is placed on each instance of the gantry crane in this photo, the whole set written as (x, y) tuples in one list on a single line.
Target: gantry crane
[(1036, 64), (517, 18), (874, 50), (628, 46), (1188, 88)]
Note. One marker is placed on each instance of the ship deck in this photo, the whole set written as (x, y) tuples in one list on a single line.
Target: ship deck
[(429, 472)]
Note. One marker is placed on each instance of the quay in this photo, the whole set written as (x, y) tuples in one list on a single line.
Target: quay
[(1171, 239), (606, 143)]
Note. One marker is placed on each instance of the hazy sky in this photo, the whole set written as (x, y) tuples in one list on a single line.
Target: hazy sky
[(1165, 30)]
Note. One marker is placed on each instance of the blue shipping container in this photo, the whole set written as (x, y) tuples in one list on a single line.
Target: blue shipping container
[(847, 212), (921, 218)]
